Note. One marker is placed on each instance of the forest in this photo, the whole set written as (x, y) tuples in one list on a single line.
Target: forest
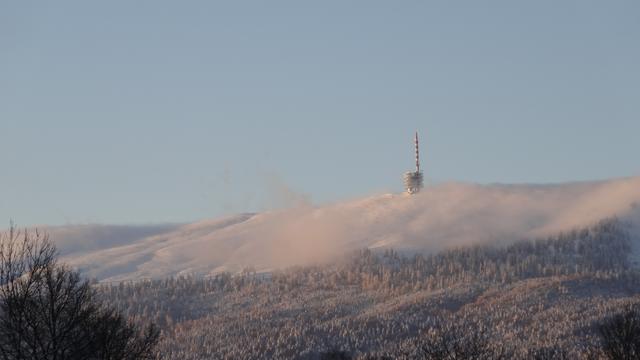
[(542, 298)]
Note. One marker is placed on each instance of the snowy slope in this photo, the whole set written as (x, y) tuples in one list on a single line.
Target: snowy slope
[(452, 214)]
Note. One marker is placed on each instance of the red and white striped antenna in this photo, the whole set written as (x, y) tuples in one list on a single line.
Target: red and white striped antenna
[(413, 180), (417, 154)]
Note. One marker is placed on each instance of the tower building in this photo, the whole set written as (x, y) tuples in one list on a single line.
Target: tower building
[(413, 179)]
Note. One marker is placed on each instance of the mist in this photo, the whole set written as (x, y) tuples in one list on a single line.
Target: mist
[(440, 217)]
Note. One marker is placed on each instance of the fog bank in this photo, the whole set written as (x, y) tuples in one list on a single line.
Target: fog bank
[(442, 216)]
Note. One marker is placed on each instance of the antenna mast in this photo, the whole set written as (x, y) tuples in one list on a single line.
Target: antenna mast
[(413, 179), (417, 154)]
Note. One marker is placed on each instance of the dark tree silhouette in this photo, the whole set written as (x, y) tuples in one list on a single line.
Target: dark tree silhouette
[(47, 311), (548, 353), (335, 355), (458, 340), (621, 335)]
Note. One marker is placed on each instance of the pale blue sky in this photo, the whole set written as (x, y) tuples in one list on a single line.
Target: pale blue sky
[(153, 111)]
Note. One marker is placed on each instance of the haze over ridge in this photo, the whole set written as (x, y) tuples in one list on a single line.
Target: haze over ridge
[(440, 217)]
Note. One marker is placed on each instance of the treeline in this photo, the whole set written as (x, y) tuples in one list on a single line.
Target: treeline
[(539, 296), (601, 250)]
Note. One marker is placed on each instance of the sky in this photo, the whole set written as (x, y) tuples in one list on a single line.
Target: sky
[(165, 111)]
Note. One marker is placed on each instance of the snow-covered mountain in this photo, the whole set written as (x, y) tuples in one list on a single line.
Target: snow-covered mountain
[(442, 216)]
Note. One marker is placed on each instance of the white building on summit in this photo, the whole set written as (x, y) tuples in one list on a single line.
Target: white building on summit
[(413, 179)]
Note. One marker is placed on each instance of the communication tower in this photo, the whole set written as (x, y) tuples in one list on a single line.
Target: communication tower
[(413, 179)]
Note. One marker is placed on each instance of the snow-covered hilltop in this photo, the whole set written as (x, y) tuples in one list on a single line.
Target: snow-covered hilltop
[(443, 216)]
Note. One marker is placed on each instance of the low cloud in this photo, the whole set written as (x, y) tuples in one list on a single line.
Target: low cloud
[(443, 216)]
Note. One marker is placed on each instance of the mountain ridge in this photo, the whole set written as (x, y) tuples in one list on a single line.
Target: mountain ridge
[(442, 216)]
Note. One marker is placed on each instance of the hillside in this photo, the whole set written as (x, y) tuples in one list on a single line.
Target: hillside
[(441, 217), (533, 268), (544, 296)]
